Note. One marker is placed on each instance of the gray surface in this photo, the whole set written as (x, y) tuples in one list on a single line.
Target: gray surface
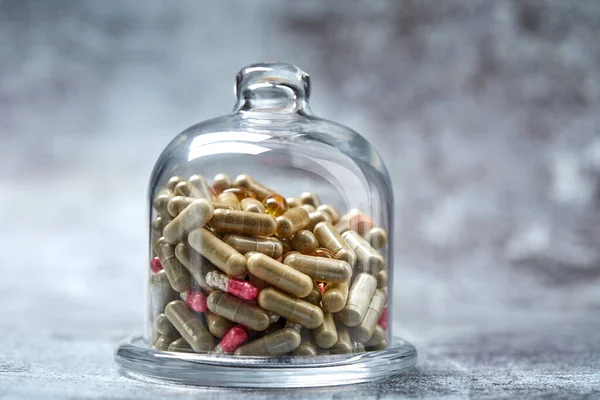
[(487, 114)]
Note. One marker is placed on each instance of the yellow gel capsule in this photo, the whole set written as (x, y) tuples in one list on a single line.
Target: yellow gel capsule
[(360, 295), (279, 275), (277, 343), (173, 181), (305, 242), (243, 223), (310, 198), (368, 259), (363, 331), (275, 205), (291, 222), (192, 217), (247, 182), (266, 245), (333, 213), (221, 182), (238, 310), (178, 276), (326, 334), (335, 297), (319, 268), (222, 255), (230, 199), (329, 238), (291, 308), (217, 325), (253, 205), (189, 326)]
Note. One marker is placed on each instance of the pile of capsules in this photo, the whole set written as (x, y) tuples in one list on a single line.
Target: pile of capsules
[(238, 269)]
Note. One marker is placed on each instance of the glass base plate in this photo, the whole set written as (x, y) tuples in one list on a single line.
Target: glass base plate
[(137, 360)]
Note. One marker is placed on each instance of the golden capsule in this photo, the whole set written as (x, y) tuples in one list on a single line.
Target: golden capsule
[(173, 181), (238, 310), (377, 337), (243, 223), (202, 186), (222, 255), (229, 199), (277, 343), (335, 297), (178, 276), (291, 308), (221, 182), (247, 182), (217, 325), (189, 326), (293, 202), (275, 205), (180, 346), (344, 343), (186, 189), (305, 242), (362, 332), (253, 205), (329, 238), (163, 342), (192, 217), (326, 334), (291, 222), (308, 208), (344, 222), (314, 297), (161, 201), (197, 265), (307, 345), (333, 213), (319, 268), (178, 203), (382, 279), (266, 245), (161, 293), (279, 275), (315, 217), (377, 238), (310, 198), (360, 295), (164, 326), (368, 259), (322, 252)]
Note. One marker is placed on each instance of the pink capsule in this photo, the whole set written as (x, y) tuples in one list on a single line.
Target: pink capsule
[(196, 300), (383, 320), (234, 286), (233, 339), (155, 265)]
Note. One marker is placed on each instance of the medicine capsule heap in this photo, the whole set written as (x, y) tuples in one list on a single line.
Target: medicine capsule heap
[(237, 268)]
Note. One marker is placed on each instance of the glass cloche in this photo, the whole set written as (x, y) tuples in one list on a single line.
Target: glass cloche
[(270, 249)]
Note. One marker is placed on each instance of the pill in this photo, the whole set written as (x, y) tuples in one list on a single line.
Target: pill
[(307, 345), (329, 238), (154, 337), (360, 295), (186, 189), (377, 238), (221, 182), (377, 337), (235, 287), (291, 222), (305, 242), (277, 343), (161, 200), (269, 246), (233, 339), (344, 222), (308, 208), (157, 226), (322, 252), (361, 223), (380, 346), (247, 182), (202, 186), (280, 275), (161, 293), (180, 346), (163, 342), (335, 297), (314, 297), (319, 268), (291, 308), (241, 193), (344, 343), (155, 265), (217, 325), (275, 205), (178, 203), (253, 205), (293, 202), (197, 265), (367, 258), (238, 310), (383, 320), (192, 217), (315, 217), (164, 326), (230, 199), (382, 279), (333, 213), (310, 198), (178, 276), (243, 223), (195, 300), (222, 255), (189, 326), (325, 335), (363, 331), (219, 204), (173, 181)]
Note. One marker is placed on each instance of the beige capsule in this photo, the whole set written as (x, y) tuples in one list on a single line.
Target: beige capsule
[(367, 258), (252, 205), (266, 245), (315, 217), (197, 265), (192, 217), (186, 189), (247, 182), (179, 203), (326, 334), (344, 222), (310, 198), (230, 199), (335, 297), (217, 325), (344, 343), (314, 297), (173, 181), (308, 208), (291, 308), (222, 255), (164, 326), (382, 279), (277, 343), (161, 200), (377, 337), (221, 182), (219, 204), (293, 202), (380, 346), (279, 275), (237, 310), (243, 223), (329, 238), (330, 210), (178, 276), (163, 342), (161, 293), (291, 222), (189, 326), (320, 268), (307, 345), (377, 238), (180, 346), (157, 226), (201, 184), (154, 337), (363, 331), (305, 242), (360, 295)]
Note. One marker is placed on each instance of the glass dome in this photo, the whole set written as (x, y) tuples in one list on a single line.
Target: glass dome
[(270, 249)]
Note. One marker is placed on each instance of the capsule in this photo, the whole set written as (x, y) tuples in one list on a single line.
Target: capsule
[(179, 203), (291, 308), (310, 198), (178, 276), (189, 326), (247, 182), (319, 268), (360, 295), (361, 223), (173, 181), (305, 242), (335, 297), (315, 217), (329, 238), (382, 279), (233, 339), (314, 297), (243, 223), (180, 346), (237, 310), (222, 255), (161, 201), (277, 343), (157, 226), (280, 275), (192, 217), (217, 325), (368, 259), (344, 223), (164, 326), (186, 189), (221, 182), (307, 345), (230, 199), (333, 213), (197, 265), (163, 342), (293, 202), (266, 245), (377, 337), (202, 186), (308, 208), (326, 334), (344, 343), (291, 222), (161, 293), (253, 205), (363, 331), (275, 205), (241, 193), (377, 238)]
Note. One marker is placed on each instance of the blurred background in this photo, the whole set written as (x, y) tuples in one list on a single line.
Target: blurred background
[(487, 114)]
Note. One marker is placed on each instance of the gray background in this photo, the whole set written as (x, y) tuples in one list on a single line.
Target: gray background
[(486, 113)]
